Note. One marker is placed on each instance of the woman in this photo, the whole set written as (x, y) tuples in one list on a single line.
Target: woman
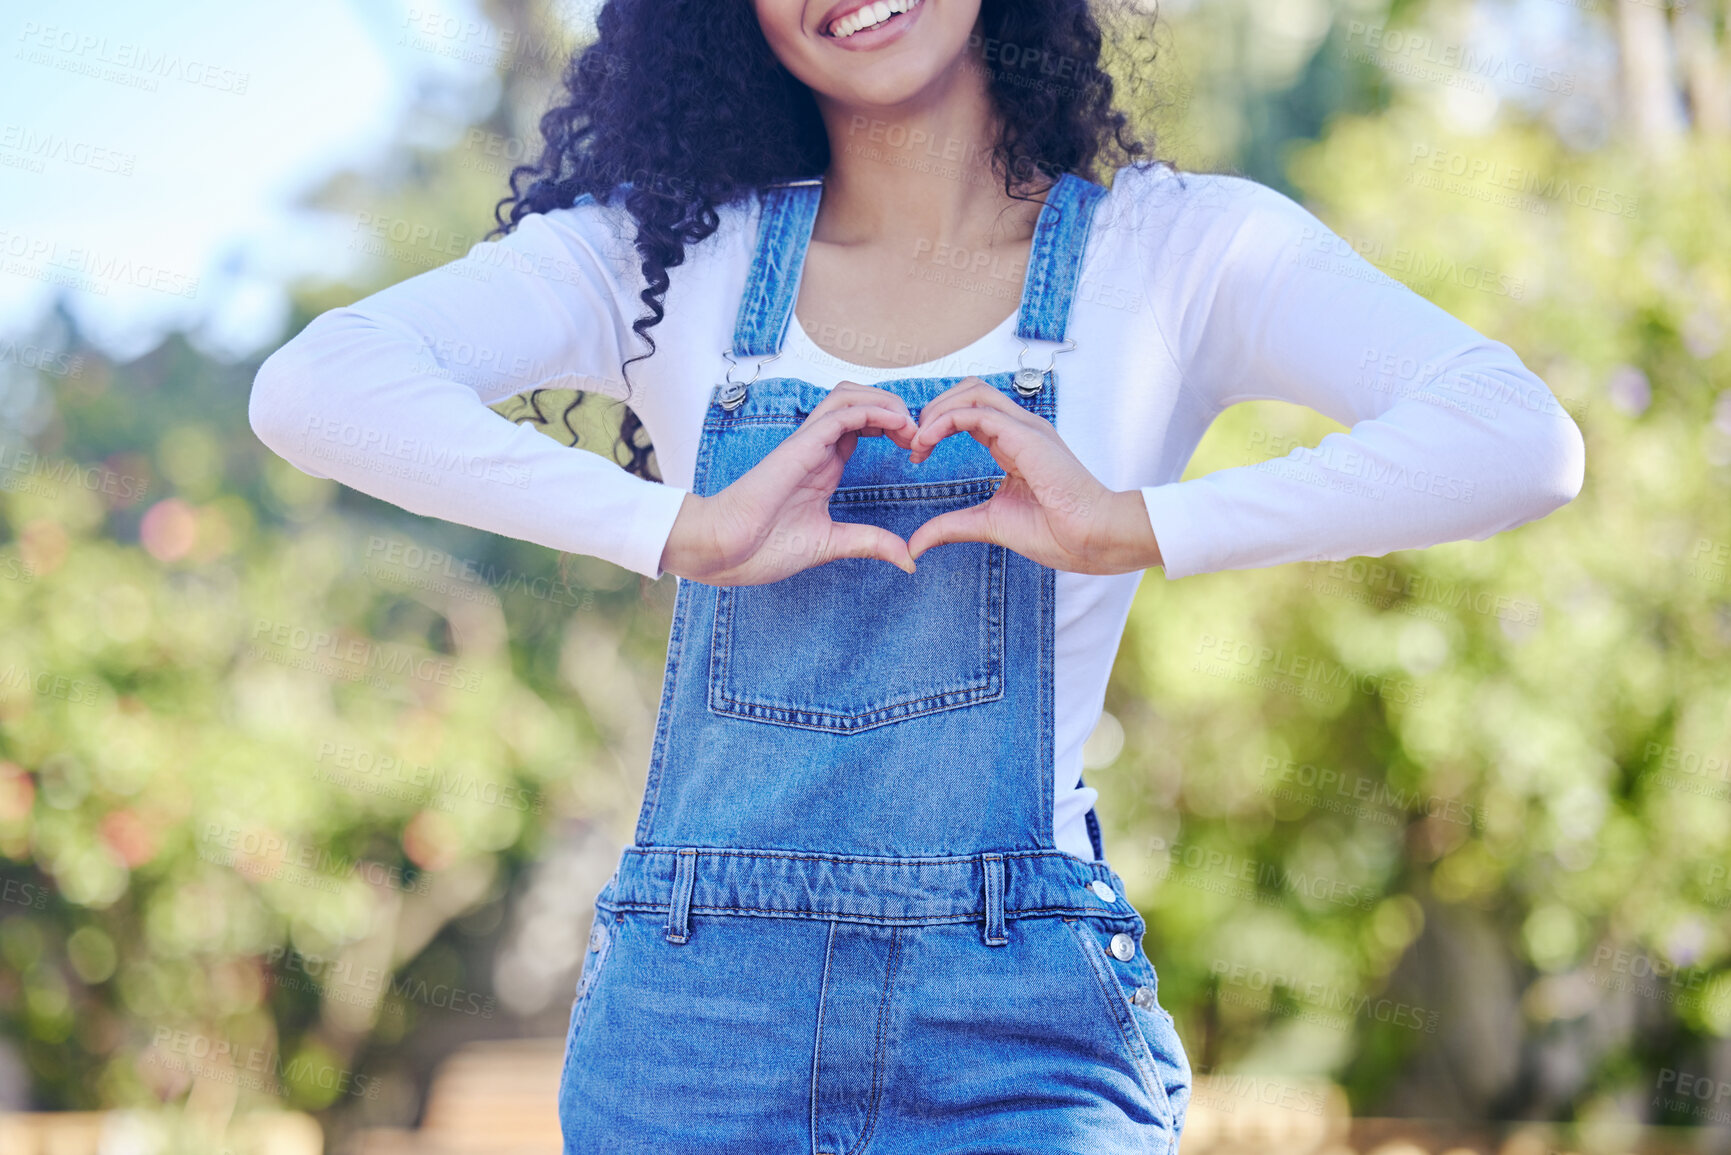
[(867, 905)]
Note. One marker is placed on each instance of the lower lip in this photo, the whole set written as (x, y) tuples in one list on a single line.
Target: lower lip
[(879, 35)]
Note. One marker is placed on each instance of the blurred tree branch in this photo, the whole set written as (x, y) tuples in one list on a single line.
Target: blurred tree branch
[(1674, 65)]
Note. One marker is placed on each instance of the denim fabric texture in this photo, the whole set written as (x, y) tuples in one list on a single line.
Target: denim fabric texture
[(804, 953)]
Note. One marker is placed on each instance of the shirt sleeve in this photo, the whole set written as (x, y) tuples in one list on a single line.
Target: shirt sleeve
[(1450, 435), (390, 395)]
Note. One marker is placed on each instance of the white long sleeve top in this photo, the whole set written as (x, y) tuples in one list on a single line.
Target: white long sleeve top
[(1196, 292)]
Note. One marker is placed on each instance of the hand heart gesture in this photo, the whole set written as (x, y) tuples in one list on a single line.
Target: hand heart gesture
[(774, 520)]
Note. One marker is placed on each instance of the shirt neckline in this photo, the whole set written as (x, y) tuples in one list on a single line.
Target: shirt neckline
[(816, 354)]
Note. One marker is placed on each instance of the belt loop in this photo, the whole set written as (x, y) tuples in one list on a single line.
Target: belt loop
[(993, 864), (679, 910)]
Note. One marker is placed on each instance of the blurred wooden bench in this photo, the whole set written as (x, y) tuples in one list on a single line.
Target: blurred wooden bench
[(499, 1097), (93, 1132)]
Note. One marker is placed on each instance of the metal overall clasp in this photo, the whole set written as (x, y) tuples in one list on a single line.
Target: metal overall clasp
[(732, 394), (1030, 381)]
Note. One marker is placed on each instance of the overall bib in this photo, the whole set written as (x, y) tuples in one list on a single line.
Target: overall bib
[(844, 925)]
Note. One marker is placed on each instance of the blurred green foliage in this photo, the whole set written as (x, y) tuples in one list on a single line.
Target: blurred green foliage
[(1540, 763), (259, 746)]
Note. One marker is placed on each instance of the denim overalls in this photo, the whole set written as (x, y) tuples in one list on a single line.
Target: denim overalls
[(844, 925)]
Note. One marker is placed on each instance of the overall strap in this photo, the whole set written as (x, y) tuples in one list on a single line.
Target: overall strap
[(1093, 823), (1055, 259), (784, 232)]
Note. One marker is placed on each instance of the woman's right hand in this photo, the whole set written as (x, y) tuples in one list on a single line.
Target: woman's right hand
[(774, 520)]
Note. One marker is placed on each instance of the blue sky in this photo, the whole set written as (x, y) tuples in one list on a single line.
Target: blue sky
[(150, 154)]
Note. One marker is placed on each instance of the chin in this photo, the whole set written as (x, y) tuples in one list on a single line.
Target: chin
[(884, 89)]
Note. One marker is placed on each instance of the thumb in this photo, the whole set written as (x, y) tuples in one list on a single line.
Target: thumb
[(970, 524), (854, 539)]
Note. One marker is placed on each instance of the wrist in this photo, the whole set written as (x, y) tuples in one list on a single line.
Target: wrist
[(677, 553), (1133, 545)]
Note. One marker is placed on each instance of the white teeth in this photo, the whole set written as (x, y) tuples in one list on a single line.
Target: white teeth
[(869, 17)]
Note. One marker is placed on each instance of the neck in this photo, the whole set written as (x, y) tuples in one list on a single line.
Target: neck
[(918, 172)]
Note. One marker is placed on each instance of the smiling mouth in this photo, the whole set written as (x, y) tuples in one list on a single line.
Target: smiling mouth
[(874, 15)]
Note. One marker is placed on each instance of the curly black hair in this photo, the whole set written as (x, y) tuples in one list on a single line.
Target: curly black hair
[(681, 106)]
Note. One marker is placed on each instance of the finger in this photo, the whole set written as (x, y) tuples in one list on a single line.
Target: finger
[(848, 393), (820, 449), (844, 445), (1003, 435), (970, 389), (971, 524), (820, 433), (863, 415), (963, 385), (856, 539), (980, 395), (963, 392)]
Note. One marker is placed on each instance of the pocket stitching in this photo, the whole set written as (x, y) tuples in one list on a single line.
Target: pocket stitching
[(1169, 1037), (586, 983), (988, 686), (1120, 1011)]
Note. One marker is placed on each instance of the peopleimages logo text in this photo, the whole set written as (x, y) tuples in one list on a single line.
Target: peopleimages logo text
[(1525, 180), (365, 654), (378, 443)]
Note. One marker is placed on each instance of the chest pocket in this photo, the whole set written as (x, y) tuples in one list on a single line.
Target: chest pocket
[(856, 643)]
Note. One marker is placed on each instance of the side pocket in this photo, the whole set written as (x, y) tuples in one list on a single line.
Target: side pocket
[(603, 932), (1161, 1034), (1124, 1017), (1159, 1031)]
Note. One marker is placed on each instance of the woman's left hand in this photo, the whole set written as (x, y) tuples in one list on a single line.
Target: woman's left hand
[(1048, 508)]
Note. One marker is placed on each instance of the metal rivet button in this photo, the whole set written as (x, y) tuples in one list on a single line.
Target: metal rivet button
[(1144, 997), (732, 394), (1103, 891), (1123, 947)]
